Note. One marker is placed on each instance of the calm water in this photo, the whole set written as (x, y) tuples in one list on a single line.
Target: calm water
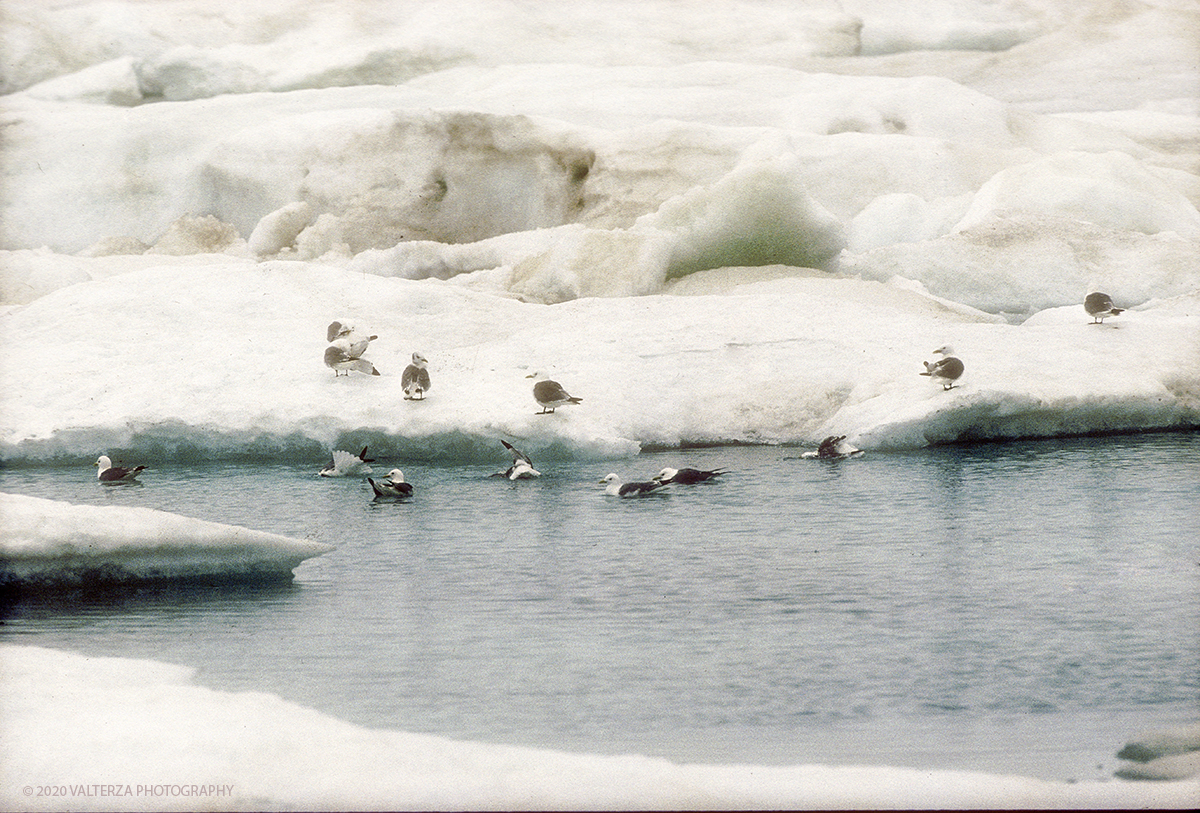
[(1022, 607)]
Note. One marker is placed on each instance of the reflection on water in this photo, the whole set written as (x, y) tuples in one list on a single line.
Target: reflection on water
[(80, 603), (939, 608)]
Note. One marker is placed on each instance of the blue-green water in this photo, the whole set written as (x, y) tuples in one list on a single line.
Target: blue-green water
[(1021, 607)]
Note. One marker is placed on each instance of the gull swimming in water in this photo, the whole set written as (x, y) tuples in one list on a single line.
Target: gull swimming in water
[(342, 464), (393, 486), (1098, 306), (946, 370), (687, 476), (521, 468), (415, 379), (618, 489), (834, 447), (550, 394), (108, 473)]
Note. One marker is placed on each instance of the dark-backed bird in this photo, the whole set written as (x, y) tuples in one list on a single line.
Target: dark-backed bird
[(343, 463), (946, 370), (618, 489), (108, 473), (522, 467), (687, 476), (393, 486), (550, 394), (1098, 306), (415, 379), (834, 447)]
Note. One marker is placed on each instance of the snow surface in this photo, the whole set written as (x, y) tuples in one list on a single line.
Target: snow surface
[(73, 721), (735, 221), (712, 233), (53, 543)]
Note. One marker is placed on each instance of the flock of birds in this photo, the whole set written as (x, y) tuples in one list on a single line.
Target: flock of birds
[(345, 464), (347, 345)]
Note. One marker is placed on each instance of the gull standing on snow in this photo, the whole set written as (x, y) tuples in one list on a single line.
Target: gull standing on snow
[(550, 394), (343, 463), (521, 468), (946, 370), (618, 489), (393, 486), (1098, 306), (346, 346), (687, 476), (108, 473), (356, 342), (415, 379)]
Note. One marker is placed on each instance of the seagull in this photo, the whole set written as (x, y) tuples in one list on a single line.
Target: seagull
[(343, 463), (394, 486), (356, 342), (618, 489), (1098, 306), (108, 473), (947, 370), (415, 379), (687, 476), (338, 356), (833, 448), (550, 394), (521, 468)]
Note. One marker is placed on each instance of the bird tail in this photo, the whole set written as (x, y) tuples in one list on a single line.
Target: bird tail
[(928, 368), (1115, 311), (364, 366), (574, 400)]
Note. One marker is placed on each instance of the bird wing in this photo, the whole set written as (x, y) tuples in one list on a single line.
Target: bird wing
[(344, 461), (335, 328), (336, 354), (409, 376), (423, 379), (549, 391), (516, 453)]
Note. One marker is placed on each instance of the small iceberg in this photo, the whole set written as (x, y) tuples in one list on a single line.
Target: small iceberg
[(51, 543)]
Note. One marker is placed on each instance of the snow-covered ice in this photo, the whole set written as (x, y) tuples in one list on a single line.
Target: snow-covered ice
[(747, 221), (55, 544), (75, 722), (713, 236)]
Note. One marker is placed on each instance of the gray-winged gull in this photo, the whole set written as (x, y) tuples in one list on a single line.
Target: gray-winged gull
[(946, 370), (618, 489), (393, 486), (338, 357), (415, 379), (686, 476), (521, 468), (550, 394), (108, 473), (1098, 306), (342, 464), (356, 343)]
